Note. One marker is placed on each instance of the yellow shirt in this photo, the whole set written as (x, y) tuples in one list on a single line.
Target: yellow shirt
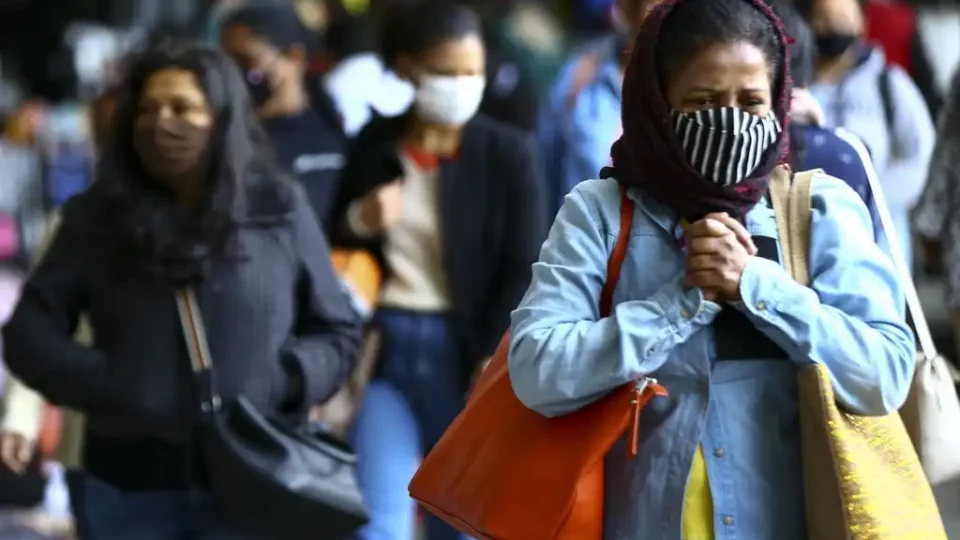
[(697, 502)]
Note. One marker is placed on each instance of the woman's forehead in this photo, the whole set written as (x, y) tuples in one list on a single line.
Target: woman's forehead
[(725, 64), (171, 82)]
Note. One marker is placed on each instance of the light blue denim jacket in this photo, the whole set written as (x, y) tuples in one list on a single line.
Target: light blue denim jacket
[(563, 355)]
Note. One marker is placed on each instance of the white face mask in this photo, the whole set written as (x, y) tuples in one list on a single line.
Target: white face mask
[(449, 100)]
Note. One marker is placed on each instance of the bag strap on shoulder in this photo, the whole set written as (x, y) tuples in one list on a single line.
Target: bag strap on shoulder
[(886, 98), (790, 195), (195, 338), (799, 213), (914, 306), (619, 253)]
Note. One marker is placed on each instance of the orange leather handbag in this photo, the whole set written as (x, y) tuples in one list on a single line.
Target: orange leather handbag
[(361, 273), (504, 472)]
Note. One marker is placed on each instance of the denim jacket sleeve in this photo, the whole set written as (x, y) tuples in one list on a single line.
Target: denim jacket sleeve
[(563, 355), (852, 318)]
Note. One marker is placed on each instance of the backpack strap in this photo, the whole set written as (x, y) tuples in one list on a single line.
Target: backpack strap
[(886, 98), (791, 205), (583, 73)]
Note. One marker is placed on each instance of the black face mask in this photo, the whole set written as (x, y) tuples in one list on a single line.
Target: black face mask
[(169, 149), (258, 84), (831, 45)]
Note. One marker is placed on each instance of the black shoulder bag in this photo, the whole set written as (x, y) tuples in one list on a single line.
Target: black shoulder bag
[(271, 480)]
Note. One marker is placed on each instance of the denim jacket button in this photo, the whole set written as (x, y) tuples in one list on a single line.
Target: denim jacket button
[(727, 520)]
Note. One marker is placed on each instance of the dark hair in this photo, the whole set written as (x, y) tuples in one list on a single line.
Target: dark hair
[(349, 35), (414, 28), (802, 48), (694, 25), (101, 115), (152, 234), (275, 23), (165, 32)]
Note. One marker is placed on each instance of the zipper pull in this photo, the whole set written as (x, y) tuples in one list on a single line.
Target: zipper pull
[(645, 390)]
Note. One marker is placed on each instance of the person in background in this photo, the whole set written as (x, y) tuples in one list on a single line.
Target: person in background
[(877, 102), (23, 408), (705, 307), (937, 218), (580, 117), (268, 42), (451, 202), (22, 195), (812, 145), (893, 25), (184, 197), (521, 44)]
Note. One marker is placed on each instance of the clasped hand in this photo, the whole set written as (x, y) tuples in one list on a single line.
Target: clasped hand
[(718, 248)]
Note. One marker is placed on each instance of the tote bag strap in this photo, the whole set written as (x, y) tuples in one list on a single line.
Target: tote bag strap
[(798, 212), (914, 307), (195, 338), (791, 206), (619, 253)]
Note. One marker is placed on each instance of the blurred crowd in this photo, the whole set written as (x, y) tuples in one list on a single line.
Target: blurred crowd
[(386, 176)]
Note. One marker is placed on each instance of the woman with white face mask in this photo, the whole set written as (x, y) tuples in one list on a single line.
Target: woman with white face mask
[(452, 205)]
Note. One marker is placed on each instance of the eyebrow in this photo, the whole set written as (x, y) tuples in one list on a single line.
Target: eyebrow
[(705, 89)]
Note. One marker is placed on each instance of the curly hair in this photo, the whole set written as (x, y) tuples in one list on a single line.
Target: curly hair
[(153, 234)]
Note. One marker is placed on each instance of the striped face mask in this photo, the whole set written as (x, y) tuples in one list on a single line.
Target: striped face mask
[(725, 144)]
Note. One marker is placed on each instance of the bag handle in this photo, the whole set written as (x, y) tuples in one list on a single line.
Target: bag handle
[(195, 338), (790, 196), (619, 253), (914, 306), (799, 216)]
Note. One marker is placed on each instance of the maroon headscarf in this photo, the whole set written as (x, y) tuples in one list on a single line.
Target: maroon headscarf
[(648, 153)]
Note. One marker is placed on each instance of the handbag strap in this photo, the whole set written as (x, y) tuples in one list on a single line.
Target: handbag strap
[(619, 253), (798, 209), (914, 306), (790, 196), (195, 338)]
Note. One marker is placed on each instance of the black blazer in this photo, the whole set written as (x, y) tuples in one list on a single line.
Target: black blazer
[(279, 308), (493, 219)]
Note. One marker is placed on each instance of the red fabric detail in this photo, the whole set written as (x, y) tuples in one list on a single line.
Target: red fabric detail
[(424, 160)]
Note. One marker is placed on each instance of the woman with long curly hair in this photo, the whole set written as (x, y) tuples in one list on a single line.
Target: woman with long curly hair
[(184, 197)]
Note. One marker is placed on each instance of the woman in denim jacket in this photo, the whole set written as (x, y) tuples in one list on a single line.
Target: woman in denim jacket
[(702, 303)]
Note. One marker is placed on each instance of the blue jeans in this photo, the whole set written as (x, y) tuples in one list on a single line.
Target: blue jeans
[(108, 513), (417, 393)]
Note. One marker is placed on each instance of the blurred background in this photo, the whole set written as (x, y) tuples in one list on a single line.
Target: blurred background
[(58, 56)]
